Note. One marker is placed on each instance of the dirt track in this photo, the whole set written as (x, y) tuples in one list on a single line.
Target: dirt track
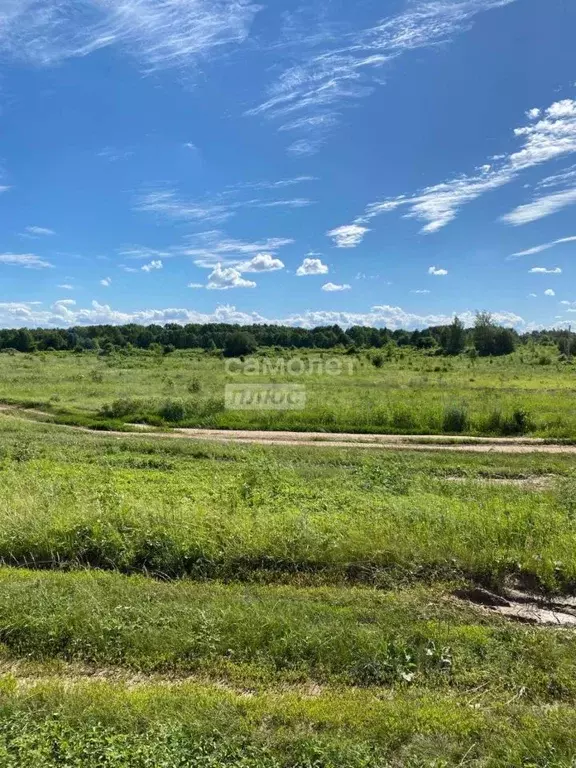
[(462, 444)]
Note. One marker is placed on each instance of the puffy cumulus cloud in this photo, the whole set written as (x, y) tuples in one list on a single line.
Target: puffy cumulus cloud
[(65, 314), (26, 260), (549, 292), (262, 262), (386, 316), (225, 278), (157, 264), (348, 236), (312, 267), (437, 271), (334, 288)]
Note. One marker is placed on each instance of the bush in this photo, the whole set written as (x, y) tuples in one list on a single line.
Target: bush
[(378, 361), (194, 386), (122, 408), (455, 420), (172, 410), (517, 423)]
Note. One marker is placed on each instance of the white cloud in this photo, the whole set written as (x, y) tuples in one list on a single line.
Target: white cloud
[(544, 247), (141, 252), (279, 184), (438, 272), (312, 267), (558, 179), (113, 154), (422, 292), (532, 296), (304, 147), (211, 248), (18, 314), (166, 203), (549, 292), (66, 287), (106, 282), (308, 95), (348, 236), (26, 260), (152, 265), (298, 202), (540, 207), (224, 278), (219, 208), (262, 262), (545, 271), (160, 33), (333, 287), (551, 137), (39, 232), (195, 285)]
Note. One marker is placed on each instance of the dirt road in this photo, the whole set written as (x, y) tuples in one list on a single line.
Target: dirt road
[(452, 443)]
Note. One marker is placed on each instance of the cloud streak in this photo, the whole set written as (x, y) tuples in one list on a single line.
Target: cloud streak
[(308, 96), (548, 136), (544, 247), (159, 33), (540, 207)]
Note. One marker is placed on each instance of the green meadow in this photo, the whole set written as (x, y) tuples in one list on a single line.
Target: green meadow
[(187, 603), (397, 390)]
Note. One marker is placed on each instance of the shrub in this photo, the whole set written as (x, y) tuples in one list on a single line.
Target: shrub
[(378, 361), (172, 410), (455, 420), (122, 408), (194, 386)]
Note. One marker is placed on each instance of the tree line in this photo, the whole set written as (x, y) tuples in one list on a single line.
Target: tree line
[(484, 338)]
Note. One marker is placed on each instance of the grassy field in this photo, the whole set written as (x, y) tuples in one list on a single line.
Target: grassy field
[(177, 603), (529, 392)]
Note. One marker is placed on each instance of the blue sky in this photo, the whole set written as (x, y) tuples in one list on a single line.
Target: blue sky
[(383, 163)]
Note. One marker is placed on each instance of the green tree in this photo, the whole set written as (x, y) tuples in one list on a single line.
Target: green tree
[(23, 341), (240, 343), (454, 340)]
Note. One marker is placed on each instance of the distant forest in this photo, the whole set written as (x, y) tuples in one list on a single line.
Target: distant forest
[(485, 338)]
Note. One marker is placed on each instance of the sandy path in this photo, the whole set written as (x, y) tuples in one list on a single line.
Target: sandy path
[(461, 444)]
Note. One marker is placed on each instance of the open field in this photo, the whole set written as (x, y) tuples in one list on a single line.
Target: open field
[(183, 602), (528, 393)]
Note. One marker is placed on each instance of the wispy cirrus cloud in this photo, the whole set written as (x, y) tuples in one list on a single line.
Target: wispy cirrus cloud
[(545, 271), (540, 207), (214, 247), (544, 247), (550, 134), (308, 96), (159, 33), (37, 232), (26, 260), (218, 209)]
